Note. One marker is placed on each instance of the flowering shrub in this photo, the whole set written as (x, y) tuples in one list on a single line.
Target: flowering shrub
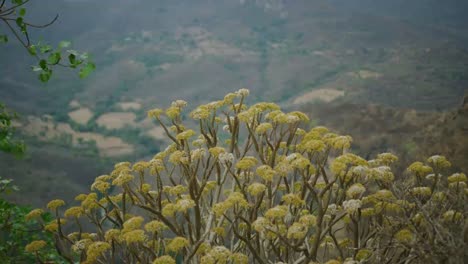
[(255, 185)]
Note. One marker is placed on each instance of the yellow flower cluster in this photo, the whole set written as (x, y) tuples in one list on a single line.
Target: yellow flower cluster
[(266, 172), (177, 244), (54, 204), (256, 188), (218, 254), (404, 236), (34, 214), (292, 199), (246, 163), (134, 236), (95, 250), (439, 161), (355, 190), (35, 246), (277, 212), (164, 260), (75, 211)]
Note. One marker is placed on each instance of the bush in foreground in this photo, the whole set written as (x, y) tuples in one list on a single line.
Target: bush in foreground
[(255, 185)]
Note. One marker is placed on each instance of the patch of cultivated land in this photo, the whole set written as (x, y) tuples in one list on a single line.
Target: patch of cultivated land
[(45, 129), (325, 94), (81, 116), (116, 120), (157, 133), (129, 106)]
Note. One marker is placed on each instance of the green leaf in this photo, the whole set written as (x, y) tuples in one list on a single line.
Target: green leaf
[(32, 50), (43, 64), (87, 69), (64, 44), (45, 76), (19, 22), (45, 48), (54, 58), (3, 39), (22, 11)]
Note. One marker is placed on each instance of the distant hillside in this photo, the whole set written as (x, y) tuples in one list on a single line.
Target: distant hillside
[(413, 135), (389, 72)]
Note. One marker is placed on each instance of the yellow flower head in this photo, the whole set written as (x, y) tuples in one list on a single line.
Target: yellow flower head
[(404, 236), (185, 135), (256, 189), (164, 260), (96, 249), (292, 199), (439, 161), (246, 163), (277, 212), (112, 234), (34, 214), (75, 211), (266, 172), (173, 112), (134, 236), (35, 246), (177, 244), (54, 204), (355, 190), (133, 223), (263, 128), (155, 113), (100, 186), (155, 226)]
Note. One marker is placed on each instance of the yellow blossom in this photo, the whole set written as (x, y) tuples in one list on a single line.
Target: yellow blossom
[(134, 236), (239, 258), (169, 210), (266, 172), (122, 179), (112, 234), (404, 236), (263, 128), (155, 226), (177, 244), (246, 163), (155, 113), (35, 246), (101, 186), (256, 189), (355, 190), (216, 151), (75, 211), (33, 214), (277, 212), (439, 161), (164, 260), (292, 199), (133, 223), (387, 158), (172, 112), (54, 204), (457, 177), (185, 135), (297, 231), (96, 249)]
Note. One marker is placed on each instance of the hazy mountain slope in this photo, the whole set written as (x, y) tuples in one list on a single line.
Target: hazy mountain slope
[(399, 54), (413, 135)]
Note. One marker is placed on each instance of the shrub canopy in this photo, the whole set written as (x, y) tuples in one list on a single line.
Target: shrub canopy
[(254, 184)]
